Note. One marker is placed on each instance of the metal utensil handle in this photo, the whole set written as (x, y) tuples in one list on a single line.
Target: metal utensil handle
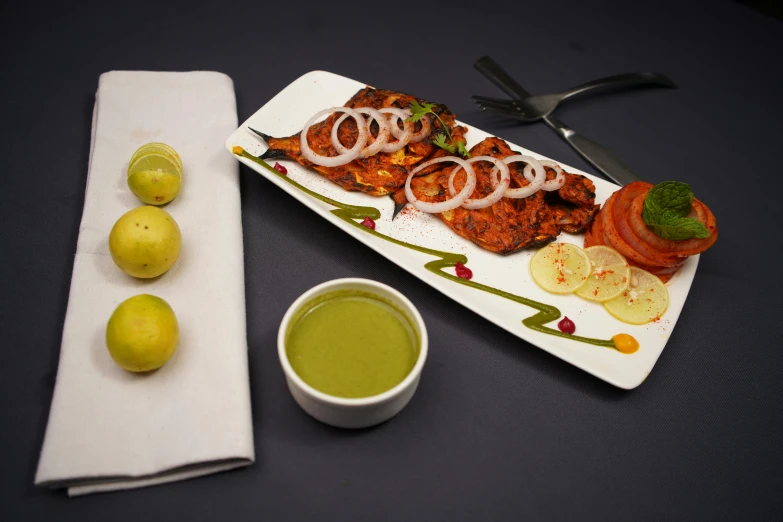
[(493, 72), (620, 80), (597, 155)]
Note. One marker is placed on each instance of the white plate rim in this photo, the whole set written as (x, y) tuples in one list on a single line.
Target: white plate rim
[(323, 86)]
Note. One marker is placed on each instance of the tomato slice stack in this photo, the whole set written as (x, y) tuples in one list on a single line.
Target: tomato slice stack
[(619, 225)]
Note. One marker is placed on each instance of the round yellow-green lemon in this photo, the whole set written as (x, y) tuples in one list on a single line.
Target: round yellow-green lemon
[(142, 333), (153, 187), (145, 242), (155, 178)]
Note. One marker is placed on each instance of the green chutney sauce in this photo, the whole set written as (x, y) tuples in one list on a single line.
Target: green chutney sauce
[(352, 344)]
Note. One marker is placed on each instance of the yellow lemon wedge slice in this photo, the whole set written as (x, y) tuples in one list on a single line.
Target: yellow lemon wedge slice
[(560, 268), (609, 276), (645, 300), (154, 162), (157, 148)]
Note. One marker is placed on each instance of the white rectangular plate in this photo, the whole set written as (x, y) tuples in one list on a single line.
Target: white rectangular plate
[(286, 113)]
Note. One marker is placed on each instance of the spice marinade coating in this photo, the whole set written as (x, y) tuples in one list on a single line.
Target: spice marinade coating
[(505, 227)]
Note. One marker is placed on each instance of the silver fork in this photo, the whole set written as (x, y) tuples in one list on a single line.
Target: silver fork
[(535, 108), (598, 155)]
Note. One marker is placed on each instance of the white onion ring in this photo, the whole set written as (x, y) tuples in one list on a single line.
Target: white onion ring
[(396, 113), (403, 136), (342, 159), (523, 192), (549, 185), (495, 195), (426, 128), (384, 132), (449, 204)]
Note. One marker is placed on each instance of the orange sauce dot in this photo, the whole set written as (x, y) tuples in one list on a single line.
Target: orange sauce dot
[(625, 343)]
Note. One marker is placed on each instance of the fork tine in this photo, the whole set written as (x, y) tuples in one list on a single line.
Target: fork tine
[(500, 109), (494, 102), (505, 111)]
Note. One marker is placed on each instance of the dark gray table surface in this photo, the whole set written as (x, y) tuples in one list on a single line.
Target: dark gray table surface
[(499, 430)]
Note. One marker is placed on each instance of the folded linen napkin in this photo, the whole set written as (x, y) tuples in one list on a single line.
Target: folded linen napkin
[(111, 429)]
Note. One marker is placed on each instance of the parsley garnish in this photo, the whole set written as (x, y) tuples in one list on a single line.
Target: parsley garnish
[(418, 111), (440, 141), (665, 209)]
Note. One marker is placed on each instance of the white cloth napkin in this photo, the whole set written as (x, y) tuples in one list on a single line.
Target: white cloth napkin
[(111, 429)]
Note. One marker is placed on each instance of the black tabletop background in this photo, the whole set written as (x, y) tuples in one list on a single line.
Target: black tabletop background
[(498, 430)]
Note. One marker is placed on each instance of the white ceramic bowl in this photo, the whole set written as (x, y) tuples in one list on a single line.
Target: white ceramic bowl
[(366, 411)]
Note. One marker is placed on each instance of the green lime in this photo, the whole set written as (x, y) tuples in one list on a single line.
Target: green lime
[(145, 242), (142, 333)]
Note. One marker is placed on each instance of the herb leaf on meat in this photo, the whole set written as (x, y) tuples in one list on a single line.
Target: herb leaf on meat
[(418, 111)]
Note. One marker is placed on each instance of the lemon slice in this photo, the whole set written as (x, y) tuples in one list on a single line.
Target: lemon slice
[(157, 148), (160, 150), (645, 299), (609, 276), (560, 268), (154, 162)]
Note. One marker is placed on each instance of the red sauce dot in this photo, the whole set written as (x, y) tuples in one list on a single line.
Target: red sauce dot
[(463, 271), (281, 169), (369, 223), (566, 325)]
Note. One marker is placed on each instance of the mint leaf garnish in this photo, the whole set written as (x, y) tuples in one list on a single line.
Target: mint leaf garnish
[(670, 195), (665, 209), (678, 228)]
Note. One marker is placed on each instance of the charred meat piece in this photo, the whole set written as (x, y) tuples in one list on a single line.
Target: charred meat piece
[(505, 227), (382, 173), (574, 204), (510, 224)]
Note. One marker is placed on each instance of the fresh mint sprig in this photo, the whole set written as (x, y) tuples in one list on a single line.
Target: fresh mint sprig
[(665, 209)]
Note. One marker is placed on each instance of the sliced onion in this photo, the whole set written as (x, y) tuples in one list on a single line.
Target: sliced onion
[(384, 132), (403, 136), (443, 206), (518, 193), (426, 128), (495, 195), (342, 159), (552, 184), (397, 114)]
